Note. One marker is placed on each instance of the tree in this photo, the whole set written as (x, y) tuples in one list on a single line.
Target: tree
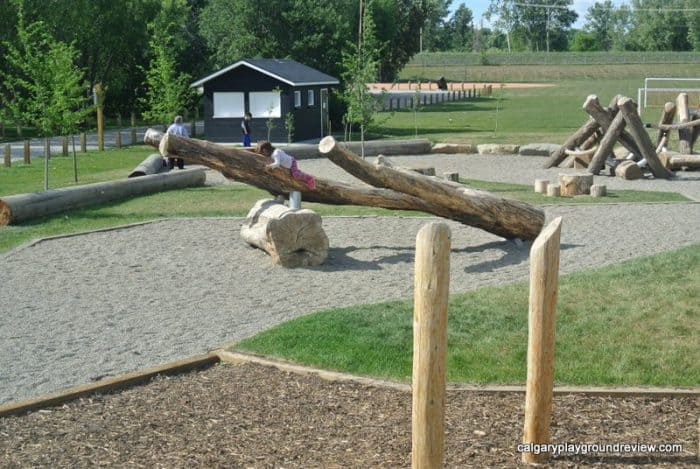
[(542, 25), (659, 25), (693, 25), (41, 84), (461, 28), (585, 42), (435, 34), (360, 69), (168, 92)]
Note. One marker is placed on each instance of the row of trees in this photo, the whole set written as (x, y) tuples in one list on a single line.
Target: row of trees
[(544, 25), (146, 52)]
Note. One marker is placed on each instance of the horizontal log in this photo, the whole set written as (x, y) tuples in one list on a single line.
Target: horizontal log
[(154, 164), (372, 148), (24, 207), (675, 161), (503, 217)]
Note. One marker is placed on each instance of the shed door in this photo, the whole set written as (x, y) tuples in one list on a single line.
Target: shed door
[(325, 123)]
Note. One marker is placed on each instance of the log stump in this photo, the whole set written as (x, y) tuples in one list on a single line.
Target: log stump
[(599, 190), (571, 185), (553, 191), (292, 238), (541, 185), (629, 170)]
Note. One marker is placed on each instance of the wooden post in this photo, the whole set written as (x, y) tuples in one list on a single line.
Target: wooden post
[(553, 190), (64, 146), (580, 136), (641, 137), (432, 280), (47, 155), (118, 139), (605, 117), (684, 135), (83, 142), (544, 282), (541, 185), (133, 128), (8, 155), (99, 102), (26, 154), (666, 118)]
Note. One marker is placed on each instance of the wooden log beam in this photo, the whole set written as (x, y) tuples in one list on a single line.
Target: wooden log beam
[(248, 167), (637, 130), (684, 135), (686, 125), (676, 161), (605, 118), (153, 164), (506, 218), (23, 207), (606, 144), (666, 118), (503, 217), (581, 135)]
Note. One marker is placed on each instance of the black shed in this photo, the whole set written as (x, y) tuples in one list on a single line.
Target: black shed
[(272, 90)]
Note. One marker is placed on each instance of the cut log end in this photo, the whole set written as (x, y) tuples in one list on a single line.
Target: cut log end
[(327, 144), (5, 214)]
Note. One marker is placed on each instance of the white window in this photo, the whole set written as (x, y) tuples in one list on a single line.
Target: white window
[(297, 99), (228, 104), (310, 101), (265, 103)]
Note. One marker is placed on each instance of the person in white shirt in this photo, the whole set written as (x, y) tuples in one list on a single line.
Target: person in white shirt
[(284, 160), (177, 128)]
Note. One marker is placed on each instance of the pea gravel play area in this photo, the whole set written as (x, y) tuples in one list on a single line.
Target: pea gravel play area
[(79, 308)]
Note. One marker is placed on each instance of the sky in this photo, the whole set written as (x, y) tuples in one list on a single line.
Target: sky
[(478, 7)]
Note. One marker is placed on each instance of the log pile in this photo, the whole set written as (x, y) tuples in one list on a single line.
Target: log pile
[(591, 146), (389, 187)]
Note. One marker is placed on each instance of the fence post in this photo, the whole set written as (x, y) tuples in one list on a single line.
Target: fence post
[(47, 155), (83, 142), (8, 155), (544, 282), (432, 282), (118, 139), (64, 146), (26, 153)]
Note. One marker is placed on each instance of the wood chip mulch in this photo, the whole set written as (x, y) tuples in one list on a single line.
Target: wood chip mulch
[(255, 416)]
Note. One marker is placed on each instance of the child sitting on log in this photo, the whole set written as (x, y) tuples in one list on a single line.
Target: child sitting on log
[(284, 160)]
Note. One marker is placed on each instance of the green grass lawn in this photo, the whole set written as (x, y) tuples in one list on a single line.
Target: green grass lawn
[(635, 323)]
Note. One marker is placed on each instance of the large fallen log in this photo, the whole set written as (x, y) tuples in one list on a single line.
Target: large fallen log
[(24, 207), (676, 161), (153, 164), (636, 127), (293, 238), (506, 218)]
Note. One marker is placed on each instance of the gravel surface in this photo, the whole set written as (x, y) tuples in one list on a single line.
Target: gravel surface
[(80, 308)]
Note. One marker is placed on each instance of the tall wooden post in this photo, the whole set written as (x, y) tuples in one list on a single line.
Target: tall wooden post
[(64, 146), (47, 155), (544, 282), (432, 280), (8, 155), (133, 128), (99, 92), (684, 135), (83, 142), (118, 139), (26, 154)]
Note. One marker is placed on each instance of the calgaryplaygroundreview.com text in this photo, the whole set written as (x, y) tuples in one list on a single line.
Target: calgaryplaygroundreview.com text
[(589, 448)]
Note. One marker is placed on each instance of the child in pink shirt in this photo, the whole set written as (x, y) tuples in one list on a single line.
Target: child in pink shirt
[(284, 160)]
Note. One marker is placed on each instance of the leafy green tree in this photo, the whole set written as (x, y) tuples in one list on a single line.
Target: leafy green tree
[(361, 68), (693, 25), (542, 26), (435, 32), (659, 25), (461, 28), (584, 42), (42, 85), (168, 92)]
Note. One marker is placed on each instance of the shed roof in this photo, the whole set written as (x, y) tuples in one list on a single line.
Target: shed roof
[(285, 70)]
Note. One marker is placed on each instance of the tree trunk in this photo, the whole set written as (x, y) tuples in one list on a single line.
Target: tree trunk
[(628, 170), (666, 118), (607, 143), (605, 118), (23, 207), (684, 135), (293, 238), (505, 218), (580, 136), (642, 139), (675, 161), (154, 164)]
